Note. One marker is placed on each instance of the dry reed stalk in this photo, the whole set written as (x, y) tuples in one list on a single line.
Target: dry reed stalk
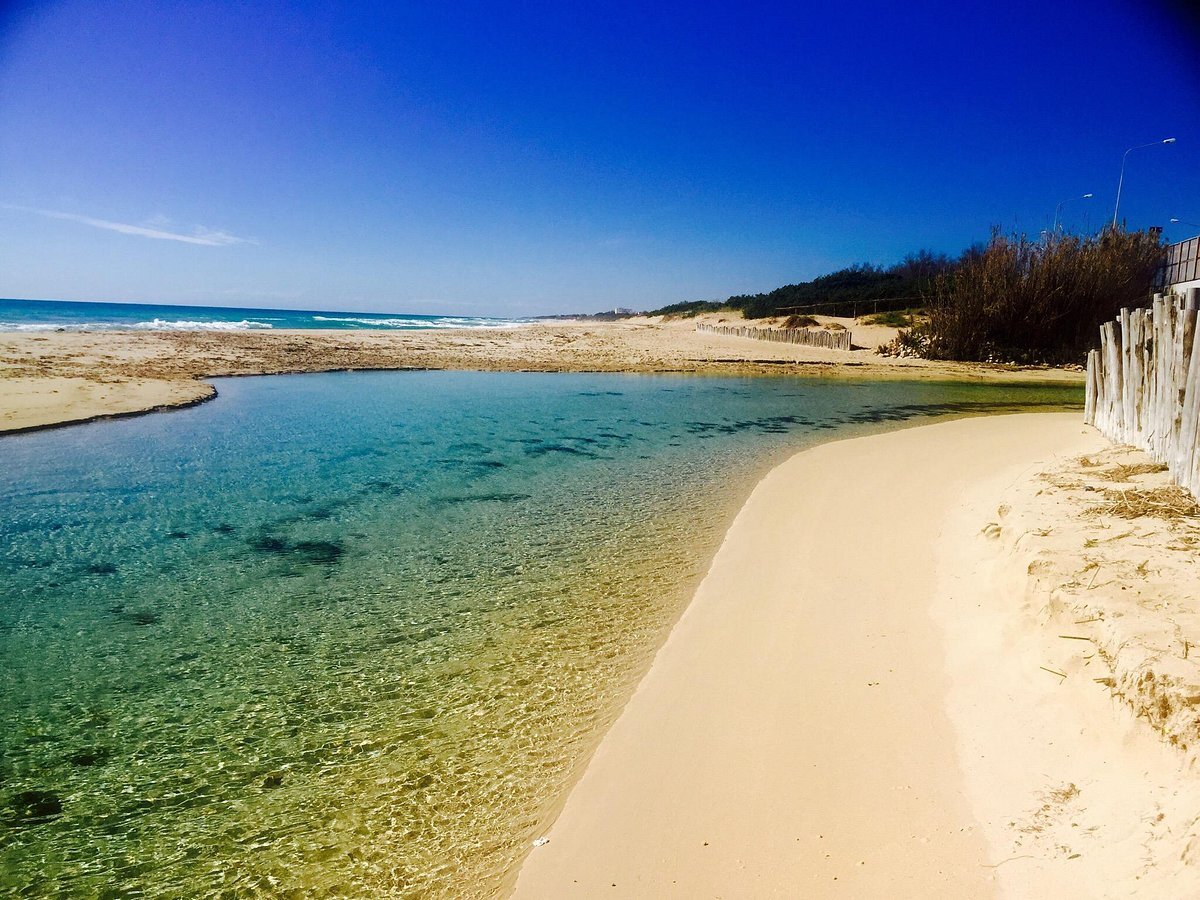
[(1126, 471), (1170, 503)]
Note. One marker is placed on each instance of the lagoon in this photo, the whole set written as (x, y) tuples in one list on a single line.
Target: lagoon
[(354, 633)]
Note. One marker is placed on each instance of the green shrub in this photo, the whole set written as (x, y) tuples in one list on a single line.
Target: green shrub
[(898, 318)]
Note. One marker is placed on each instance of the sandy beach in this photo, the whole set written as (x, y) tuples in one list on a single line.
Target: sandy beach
[(873, 693), (61, 377)]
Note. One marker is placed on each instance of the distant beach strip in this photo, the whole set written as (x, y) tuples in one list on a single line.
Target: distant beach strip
[(62, 315)]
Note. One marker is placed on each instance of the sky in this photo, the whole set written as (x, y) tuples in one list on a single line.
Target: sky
[(522, 158)]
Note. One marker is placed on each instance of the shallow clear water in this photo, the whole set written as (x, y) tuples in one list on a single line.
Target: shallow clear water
[(349, 634)]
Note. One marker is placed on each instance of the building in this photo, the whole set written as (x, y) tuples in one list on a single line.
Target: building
[(1182, 268)]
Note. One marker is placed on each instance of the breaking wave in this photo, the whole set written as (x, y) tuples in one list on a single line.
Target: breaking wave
[(152, 325), (422, 323)]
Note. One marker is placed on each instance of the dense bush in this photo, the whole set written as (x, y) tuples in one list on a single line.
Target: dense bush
[(848, 291), (686, 308), (1024, 301)]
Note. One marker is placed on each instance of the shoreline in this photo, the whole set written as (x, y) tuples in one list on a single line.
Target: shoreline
[(55, 379), (204, 397), (823, 735)]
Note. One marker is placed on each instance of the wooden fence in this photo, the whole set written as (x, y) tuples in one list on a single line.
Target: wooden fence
[(1143, 384), (809, 337)]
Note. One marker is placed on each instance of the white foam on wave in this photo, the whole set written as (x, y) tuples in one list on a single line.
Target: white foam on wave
[(44, 326), (440, 322), (188, 325), (152, 325), (157, 324)]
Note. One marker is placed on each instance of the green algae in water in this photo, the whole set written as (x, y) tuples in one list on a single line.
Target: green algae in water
[(351, 634)]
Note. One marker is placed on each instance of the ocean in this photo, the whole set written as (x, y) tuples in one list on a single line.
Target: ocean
[(353, 634), (56, 315)]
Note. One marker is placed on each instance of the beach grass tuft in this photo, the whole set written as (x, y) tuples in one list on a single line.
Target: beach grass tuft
[(1127, 471), (1170, 503)]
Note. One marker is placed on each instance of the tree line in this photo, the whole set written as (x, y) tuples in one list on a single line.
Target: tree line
[(839, 293)]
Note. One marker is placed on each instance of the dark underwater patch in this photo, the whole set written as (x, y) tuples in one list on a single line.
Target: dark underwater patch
[(319, 552), (141, 617), (480, 466), (90, 756), (326, 553), (919, 410), (100, 568), (33, 807), (383, 486), (765, 425), (315, 512), (542, 448), (268, 544), (485, 498)]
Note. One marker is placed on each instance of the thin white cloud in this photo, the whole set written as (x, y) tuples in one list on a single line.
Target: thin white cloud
[(204, 236)]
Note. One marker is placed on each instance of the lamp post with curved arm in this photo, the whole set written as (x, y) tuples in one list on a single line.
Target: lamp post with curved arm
[(1121, 181), (1058, 209)]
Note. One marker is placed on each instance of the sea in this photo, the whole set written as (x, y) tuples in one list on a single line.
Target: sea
[(63, 315), (355, 634)]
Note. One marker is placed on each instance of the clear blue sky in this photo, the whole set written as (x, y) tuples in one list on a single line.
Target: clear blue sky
[(518, 158)]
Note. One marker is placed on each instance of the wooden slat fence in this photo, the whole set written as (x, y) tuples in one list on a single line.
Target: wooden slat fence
[(1143, 384), (808, 337)]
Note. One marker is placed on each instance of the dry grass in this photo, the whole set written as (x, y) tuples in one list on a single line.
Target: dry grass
[(799, 322), (1037, 301), (1064, 794), (1170, 503), (1124, 472)]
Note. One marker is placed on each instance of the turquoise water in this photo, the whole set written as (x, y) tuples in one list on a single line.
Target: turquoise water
[(65, 315), (350, 634)]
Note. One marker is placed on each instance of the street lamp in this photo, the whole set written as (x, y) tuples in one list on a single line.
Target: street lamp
[(1181, 222), (1058, 209), (1121, 182)]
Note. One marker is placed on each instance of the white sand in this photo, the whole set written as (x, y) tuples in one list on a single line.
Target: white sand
[(1077, 796), (833, 717)]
